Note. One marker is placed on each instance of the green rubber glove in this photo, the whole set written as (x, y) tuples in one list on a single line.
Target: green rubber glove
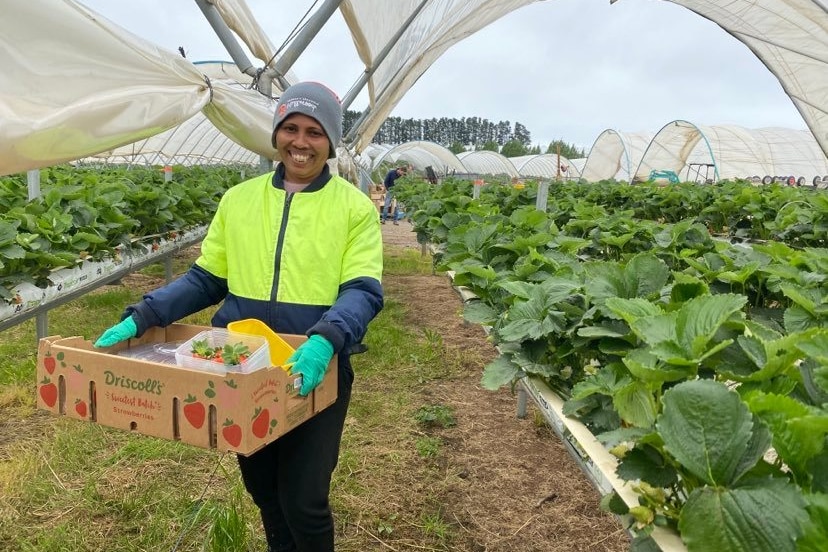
[(311, 360), (121, 331)]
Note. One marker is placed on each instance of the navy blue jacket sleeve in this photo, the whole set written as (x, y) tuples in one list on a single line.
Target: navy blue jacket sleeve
[(346, 322), (195, 290)]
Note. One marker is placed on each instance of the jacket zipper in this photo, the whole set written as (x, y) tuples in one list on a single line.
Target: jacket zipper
[(280, 240)]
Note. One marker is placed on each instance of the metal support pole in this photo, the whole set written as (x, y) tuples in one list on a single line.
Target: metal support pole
[(308, 32), (377, 61), (42, 318), (543, 195), (33, 180), (42, 324), (227, 38), (521, 402), (168, 268), (266, 88)]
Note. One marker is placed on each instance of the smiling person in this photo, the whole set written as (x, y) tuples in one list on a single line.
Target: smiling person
[(300, 250)]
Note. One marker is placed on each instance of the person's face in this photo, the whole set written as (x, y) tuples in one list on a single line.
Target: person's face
[(303, 146)]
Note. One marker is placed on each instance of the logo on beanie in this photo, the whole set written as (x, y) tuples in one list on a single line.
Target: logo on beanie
[(302, 105)]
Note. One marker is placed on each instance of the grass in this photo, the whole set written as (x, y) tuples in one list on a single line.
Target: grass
[(70, 485)]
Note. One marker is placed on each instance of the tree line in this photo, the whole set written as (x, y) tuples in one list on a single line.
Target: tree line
[(465, 134)]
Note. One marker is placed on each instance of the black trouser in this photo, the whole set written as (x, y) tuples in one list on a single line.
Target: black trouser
[(290, 479)]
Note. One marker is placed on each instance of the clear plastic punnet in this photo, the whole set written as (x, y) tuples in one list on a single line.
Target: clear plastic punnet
[(256, 357)]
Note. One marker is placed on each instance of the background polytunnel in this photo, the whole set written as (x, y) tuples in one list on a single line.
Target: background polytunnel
[(791, 39), (422, 154), (545, 166), (708, 153), (197, 140), (614, 155), (486, 162)]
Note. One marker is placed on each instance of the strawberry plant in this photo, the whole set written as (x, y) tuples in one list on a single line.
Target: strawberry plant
[(229, 355)]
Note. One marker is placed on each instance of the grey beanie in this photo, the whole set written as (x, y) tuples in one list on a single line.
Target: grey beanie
[(314, 100)]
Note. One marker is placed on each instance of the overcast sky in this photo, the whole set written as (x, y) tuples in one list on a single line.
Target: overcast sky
[(565, 69)]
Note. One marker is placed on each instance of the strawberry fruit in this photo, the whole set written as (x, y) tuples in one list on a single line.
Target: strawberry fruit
[(48, 392), (49, 362), (194, 411), (232, 432)]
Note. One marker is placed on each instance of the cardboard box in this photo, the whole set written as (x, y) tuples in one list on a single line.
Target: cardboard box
[(233, 411), (379, 200)]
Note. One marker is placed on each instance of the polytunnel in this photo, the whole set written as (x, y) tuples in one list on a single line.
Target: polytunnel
[(545, 165), (421, 154), (117, 88), (486, 162), (195, 141), (791, 38), (614, 155), (709, 153)]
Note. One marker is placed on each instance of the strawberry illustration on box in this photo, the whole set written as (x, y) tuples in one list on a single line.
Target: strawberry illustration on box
[(234, 411)]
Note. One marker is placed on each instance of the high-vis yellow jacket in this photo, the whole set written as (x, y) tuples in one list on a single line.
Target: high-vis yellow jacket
[(303, 263)]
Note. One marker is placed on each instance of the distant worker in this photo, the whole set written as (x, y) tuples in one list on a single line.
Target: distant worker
[(388, 184)]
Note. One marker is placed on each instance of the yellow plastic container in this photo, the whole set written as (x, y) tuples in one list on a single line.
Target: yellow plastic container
[(280, 350)]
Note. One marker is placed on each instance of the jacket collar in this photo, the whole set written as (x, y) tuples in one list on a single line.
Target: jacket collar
[(317, 184)]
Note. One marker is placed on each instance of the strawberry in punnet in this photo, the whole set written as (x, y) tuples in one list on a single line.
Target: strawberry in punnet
[(229, 355), (194, 411), (201, 349), (48, 392), (235, 354), (232, 432)]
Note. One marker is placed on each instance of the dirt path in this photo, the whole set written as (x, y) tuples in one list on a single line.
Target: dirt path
[(514, 486)]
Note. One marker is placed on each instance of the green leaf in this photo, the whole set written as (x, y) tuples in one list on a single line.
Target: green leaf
[(657, 328), (804, 297), (631, 310), (763, 517), (798, 319), (816, 528), (647, 464), (614, 504), (644, 543), (815, 346), (607, 381), (646, 366), (686, 287), (799, 431), (700, 318), (498, 373), (478, 312), (645, 275), (636, 404), (710, 431)]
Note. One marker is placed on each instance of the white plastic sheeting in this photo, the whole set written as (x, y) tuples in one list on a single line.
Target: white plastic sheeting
[(732, 152), (437, 25), (615, 155), (73, 84), (195, 141), (487, 162), (421, 154), (791, 39), (545, 165)]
